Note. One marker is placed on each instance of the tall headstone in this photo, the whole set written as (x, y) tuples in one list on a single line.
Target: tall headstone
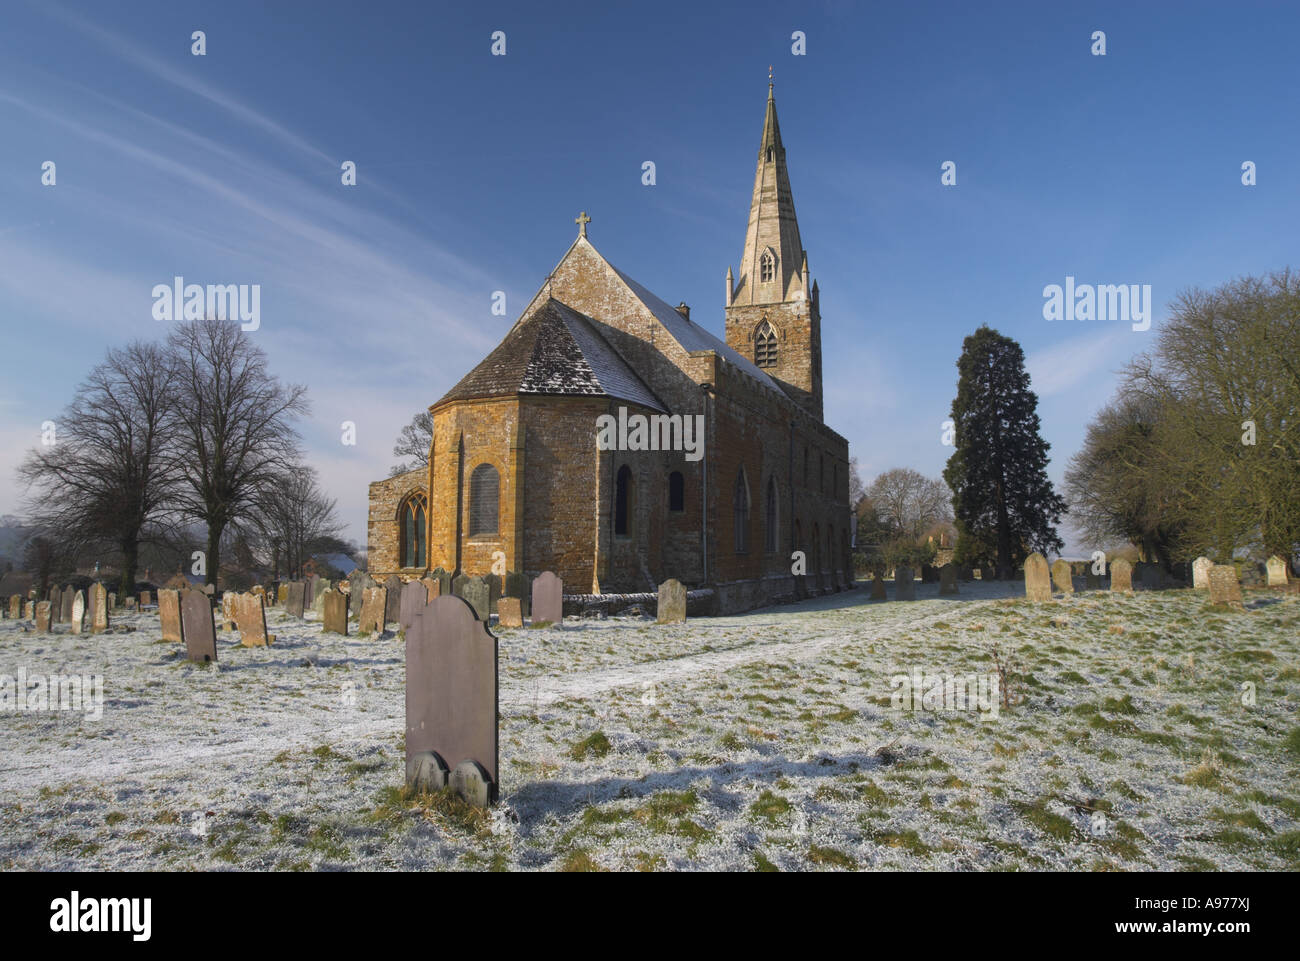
[(334, 611), (1201, 573), (43, 617), (1121, 576), (516, 586), (229, 603), (294, 598), (878, 592), (1277, 572), (15, 606), (318, 598), (477, 592), (1224, 586), (373, 609), (90, 604), (112, 602), (904, 584), (358, 583), (65, 615), (947, 579), (1062, 576), (458, 584), (250, 620), (56, 604), (198, 626), (309, 590), (672, 602), (510, 612), (451, 702), (1038, 582), (548, 599), (169, 613), (100, 618), (413, 598), (78, 620), (393, 613)]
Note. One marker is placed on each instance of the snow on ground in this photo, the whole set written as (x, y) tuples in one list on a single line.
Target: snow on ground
[(762, 741)]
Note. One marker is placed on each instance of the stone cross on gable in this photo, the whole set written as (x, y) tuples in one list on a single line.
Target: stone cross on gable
[(582, 220)]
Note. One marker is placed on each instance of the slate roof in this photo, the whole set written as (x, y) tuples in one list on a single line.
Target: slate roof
[(555, 350)]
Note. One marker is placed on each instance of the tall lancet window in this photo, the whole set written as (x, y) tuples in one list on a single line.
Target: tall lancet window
[(767, 267), (765, 345), (740, 507), (414, 517)]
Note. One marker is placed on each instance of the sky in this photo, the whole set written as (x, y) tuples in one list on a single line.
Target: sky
[(225, 168)]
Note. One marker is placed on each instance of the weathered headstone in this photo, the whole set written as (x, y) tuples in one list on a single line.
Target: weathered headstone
[(130, 603), (477, 592), (548, 599), (878, 592), (1038, 582), (1277, 572), (318, 600), (294, 597), (65, 614), (1062, 576), (1201, 573), (250, 620), (56, 604), (15, 606), (411, 602), (78, 619), (335, 612), (904, 584), (947, 579), (100, 618), (393, 613), (112, 602), (90, 604), (672, 602), (43, 617), (169, 613), (229, 606), (198, 626), (516, 586), (281, 593), (510, 612), (373, 608), (1121, 576), (432, 588), (358, 583), (146, 598), (1224, 586), (451, 702), (309, 590), (458, 584), (444, 578)]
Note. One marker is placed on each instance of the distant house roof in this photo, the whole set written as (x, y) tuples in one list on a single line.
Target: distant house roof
[(554, 350), (340, 562)]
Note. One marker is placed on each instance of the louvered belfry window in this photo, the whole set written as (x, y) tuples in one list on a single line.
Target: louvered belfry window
[(767, 267), (765, 345), (484, 498)]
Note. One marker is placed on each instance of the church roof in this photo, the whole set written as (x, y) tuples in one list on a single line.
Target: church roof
[(554, 350)]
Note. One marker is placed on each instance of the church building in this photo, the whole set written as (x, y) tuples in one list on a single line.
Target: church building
[(523, 463)]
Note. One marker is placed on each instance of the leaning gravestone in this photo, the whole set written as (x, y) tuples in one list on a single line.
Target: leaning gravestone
[(198, 626), (334, 611), (250, 620), (878, 592), (169, 613), (947, 580), (451, 702), (393, 612), (413, 598), (43, 617), (548, 599), (1224, 586), (78, 619), (99, 619), (904, 584), (672, 602), (372, 610), (1121, 576), (1277, 572), (1201, 573), (510, 612), (516, 586), (477, 592), (1062, 576), (1038, 583)]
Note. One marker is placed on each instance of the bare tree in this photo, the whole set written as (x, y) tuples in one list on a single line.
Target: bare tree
[(232, 423), (107, 475), (294, 514), (413, 443), (909, 502)]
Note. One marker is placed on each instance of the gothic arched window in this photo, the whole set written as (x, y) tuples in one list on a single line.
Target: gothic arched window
[(623, 501), (770, 533), (740, 505), (676, 492), (413, 528), (765, 345), (767, 267), (484, 500)]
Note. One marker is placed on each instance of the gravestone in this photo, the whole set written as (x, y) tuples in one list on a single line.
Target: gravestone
[(250, 619), (393, 612), (510, 612), (78, 620), (29, 610), (43, 617), (444, 579), (198, 626), (334, 610), (294, 598), (130, 603), (904, 584), (412, 601), (458, 584), (1277, 572), (146, 598), (672, 602), (15, 606), (90, 604), (451, 702), (281, 593), (99, 619), (477, 592), (1252, 574), (1224, 586), (112, 602), (169, 612), (878, 592), (1121, 576), (318, 601), (1038, 582), (56, 605), (547, 605), (309, 590), (929, 574), (65, 612), (358, 583), (1062, 576), (516, 586), (432, 588), (229, 604), (373, 608), (947, 580), (1201, 573)]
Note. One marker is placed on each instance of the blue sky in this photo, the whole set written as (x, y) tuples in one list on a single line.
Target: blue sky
[(1122, 169)]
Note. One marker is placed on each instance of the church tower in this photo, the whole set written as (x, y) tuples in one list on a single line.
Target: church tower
[(772, 311)]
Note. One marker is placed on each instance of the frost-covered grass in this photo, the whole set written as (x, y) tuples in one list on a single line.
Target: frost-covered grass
[(760, 742)]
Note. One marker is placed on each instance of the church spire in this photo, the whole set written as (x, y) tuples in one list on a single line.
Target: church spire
[(773, 255)]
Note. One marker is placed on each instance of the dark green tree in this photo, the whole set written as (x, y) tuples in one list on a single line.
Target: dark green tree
[(1003, 502)]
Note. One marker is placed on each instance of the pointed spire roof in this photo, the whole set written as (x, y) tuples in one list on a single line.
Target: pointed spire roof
[(773, 231)]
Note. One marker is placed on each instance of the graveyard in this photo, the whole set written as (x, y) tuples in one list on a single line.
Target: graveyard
[(772, 741)]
